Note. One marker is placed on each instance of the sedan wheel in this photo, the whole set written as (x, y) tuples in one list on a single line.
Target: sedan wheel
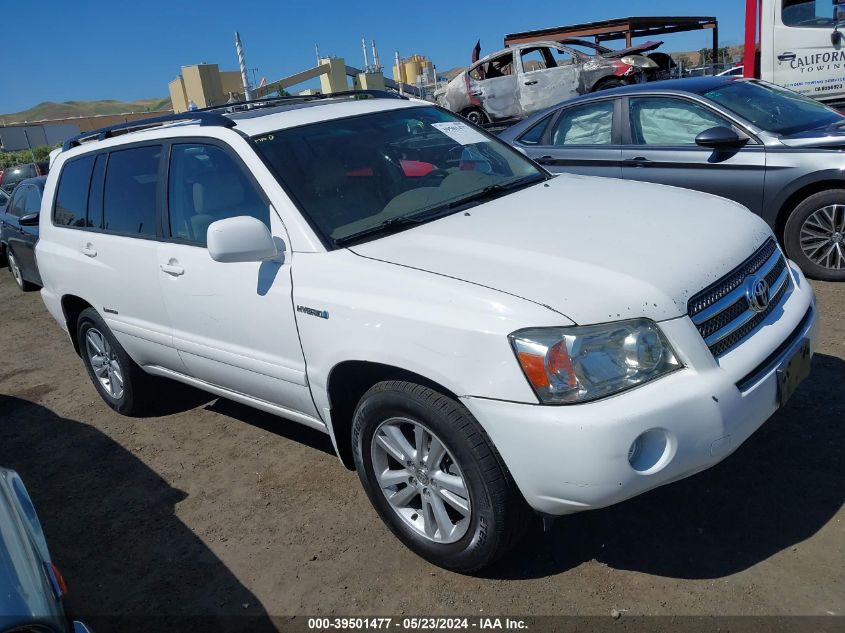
[(421, 480), (823, 237), (814, 235), (15, 270)]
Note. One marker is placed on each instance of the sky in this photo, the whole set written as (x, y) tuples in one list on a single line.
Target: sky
[(114, 49)]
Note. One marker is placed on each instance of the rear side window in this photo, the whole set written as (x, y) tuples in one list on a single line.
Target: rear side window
[(129, 196), (72, 194), (590, 124), (32, 202)]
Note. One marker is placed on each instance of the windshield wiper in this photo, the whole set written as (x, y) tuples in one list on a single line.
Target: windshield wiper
[(392, 224), (492, 191), (383, 227)]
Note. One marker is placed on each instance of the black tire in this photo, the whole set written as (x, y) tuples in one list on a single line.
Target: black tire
[(612, 82), (499, 514), (476, 116), (137, 387), (17, 273), (792, 234)]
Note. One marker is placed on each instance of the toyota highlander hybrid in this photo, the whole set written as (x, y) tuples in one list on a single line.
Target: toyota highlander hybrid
[(478, 338)]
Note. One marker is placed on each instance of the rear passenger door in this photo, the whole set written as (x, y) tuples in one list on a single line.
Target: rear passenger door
[(580, 139), (233, 323), (545, 81), (105, 247)]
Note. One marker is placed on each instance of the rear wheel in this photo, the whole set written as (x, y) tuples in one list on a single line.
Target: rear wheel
[(17, 275), (121, 383), (814, 236), (434, 477), (475, 115), (612, 82)]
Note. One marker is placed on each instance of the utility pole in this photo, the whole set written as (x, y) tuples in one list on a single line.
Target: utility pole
[(28, 144)]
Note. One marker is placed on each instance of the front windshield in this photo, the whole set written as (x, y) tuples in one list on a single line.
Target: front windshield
[(353, 175), (773, 108)]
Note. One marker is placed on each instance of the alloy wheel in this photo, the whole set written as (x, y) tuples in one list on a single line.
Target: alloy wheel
[(15, 269), (421, 480), (104, 362), (822, 237)]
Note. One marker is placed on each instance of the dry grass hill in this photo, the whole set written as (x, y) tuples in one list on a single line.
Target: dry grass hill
[(67, 109)]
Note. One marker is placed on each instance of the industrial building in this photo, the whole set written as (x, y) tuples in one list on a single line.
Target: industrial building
[(21, 136), (204, 85)]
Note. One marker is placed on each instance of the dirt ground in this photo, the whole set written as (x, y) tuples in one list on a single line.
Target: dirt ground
[(216, 509)]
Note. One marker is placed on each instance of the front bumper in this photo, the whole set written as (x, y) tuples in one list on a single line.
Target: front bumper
[(566, 459)]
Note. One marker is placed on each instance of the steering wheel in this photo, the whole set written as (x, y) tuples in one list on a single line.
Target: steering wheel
[(434, 178)]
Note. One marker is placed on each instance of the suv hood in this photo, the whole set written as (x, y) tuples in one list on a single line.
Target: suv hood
[(592, 249)]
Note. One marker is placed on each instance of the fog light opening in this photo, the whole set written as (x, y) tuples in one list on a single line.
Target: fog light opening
[(649, 452)]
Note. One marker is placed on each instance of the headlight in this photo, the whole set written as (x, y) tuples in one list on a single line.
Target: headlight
[(568, 365), (639, 62)]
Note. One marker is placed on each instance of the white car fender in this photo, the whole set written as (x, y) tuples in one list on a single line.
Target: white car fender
[(452, 332)]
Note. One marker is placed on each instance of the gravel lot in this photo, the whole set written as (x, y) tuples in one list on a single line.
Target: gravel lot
[(216, 509)]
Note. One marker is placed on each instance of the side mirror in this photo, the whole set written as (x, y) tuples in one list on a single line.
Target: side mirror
[(30, 219), (240, 239), (720, 138)]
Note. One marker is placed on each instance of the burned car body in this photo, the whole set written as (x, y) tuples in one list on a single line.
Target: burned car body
[(655, 65), (516, 81)]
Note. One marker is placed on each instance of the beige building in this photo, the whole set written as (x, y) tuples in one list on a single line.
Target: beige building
[(206, 85)]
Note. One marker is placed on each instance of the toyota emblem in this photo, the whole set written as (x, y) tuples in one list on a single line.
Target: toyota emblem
[(757, 293)]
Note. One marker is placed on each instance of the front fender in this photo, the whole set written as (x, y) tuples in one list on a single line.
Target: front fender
[(452, 332)]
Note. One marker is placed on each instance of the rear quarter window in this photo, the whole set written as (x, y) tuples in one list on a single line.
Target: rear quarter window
[(72, 192)]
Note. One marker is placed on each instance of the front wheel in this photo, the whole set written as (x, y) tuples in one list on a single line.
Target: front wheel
[(434, 477), (814, 236)]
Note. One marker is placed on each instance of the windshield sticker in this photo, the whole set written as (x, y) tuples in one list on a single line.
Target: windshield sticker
[(461, 132)]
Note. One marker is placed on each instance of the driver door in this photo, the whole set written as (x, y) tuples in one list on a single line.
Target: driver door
[(660, 147), (233, 323), (493, 83)]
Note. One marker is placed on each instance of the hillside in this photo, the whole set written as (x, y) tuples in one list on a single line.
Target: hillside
[(67, 109)]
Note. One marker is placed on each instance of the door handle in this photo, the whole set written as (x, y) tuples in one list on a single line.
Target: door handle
[(787, 57), (173, 268), (531, 83), (545, 160), (638, 161), (89, 251)]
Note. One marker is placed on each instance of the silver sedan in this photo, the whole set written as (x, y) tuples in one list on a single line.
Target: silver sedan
[(778, 153)]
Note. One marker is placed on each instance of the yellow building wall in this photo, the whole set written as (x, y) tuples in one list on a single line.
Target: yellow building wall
[(177, 94), (230, 81), (203, 85)]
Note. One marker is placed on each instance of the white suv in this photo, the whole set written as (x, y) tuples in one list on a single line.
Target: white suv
[(477, 337)]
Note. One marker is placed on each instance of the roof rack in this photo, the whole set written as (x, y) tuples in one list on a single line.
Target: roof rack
[(214, 115), (204, 118)]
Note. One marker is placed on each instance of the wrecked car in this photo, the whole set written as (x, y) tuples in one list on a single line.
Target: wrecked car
[(514, 82), (655, 65)]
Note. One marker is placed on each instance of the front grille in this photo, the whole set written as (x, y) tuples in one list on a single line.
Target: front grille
[(722, 312)]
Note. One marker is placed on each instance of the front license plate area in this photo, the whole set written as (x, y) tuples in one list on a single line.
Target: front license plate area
[(792, 371)]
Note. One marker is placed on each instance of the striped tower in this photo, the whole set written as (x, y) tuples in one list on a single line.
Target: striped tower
[(242, 63)]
